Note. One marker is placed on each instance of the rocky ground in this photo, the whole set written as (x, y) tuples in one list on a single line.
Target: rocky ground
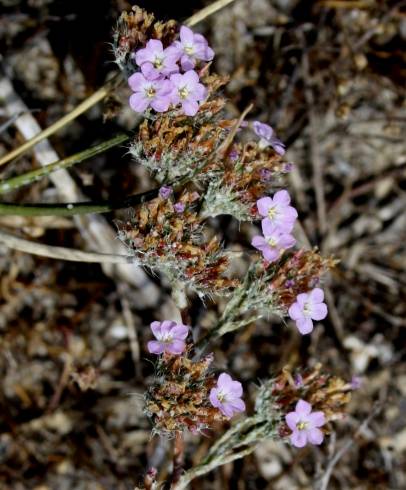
[(329, 75)]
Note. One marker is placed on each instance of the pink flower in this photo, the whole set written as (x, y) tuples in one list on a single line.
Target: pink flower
[(277, 210), (187, 91), (165, 191), (308, 307), (149, 93), (226, 396), (192, 47), (305, 425), (274, 241), (268, 137), (170, 337), (156, 61)]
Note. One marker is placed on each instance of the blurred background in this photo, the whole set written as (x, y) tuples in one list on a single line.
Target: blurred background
[(329, 76)]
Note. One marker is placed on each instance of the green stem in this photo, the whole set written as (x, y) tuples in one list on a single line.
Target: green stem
[(29, 177), (75, 208)]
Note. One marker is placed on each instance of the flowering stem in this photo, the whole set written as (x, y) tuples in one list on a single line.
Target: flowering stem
[(35, 175), (100, 94), (80, 109), (75, 208), (178, 458)]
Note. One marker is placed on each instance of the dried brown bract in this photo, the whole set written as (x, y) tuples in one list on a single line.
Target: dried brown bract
[(133, 31), (179, 398), (165, 240)]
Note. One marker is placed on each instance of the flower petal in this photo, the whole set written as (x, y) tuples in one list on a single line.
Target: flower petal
[(292, 418), (175, 347), (319, 311), (137, 82), (316, 295), (259, 242), (315, 436), (224, 380), (186, 35), (303, 407), (316, 419), (238, 405), (282, 197), (161, 104), (180, 332), (304, 325), (156, 329), (213, 397), (155, 347), (299, 438), (190, 107), (295, 312), (263, 205), (138, 102)]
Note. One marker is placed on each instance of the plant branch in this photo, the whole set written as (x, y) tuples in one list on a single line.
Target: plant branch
[(100, 94), (61, 253), (29, 177)]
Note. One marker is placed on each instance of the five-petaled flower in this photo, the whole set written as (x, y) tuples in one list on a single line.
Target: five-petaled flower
[(305, 425), (308, 307), (277, 210), (192, 47), (149, 93), (187, 90), (226, 396), (170, 337), (268, 137), (274, 241), (156, 61)]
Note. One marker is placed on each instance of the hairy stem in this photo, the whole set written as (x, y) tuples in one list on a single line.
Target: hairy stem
[(178, 458)]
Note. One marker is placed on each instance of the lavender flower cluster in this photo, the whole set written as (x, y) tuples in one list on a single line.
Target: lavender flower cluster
[(277, 224), (170, 339), (167, 76)]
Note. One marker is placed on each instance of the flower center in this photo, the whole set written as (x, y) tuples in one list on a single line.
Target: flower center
[(183, 93), (158, 63), (189, 49), (221, 396), (150, 92), (167, 339), (307, 308), (301, 425), (272, 242), (271, 213)]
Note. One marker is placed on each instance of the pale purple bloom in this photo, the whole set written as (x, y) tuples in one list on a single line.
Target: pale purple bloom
[(289, 283), (233, 155), (187, 91), (305, 425), (268, 137), (287, 167), (149, 93), (165, 191), (274, 241), (179, 207), (266, 174), (277, 210), (156, 61), (226, 396), (308, 307), (170, 337), (298, 381), (356, 383), (191, 48)]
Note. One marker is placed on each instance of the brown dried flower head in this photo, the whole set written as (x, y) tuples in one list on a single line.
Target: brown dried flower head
[(327, 393), (133, 31), (165, 240), (298, 273), (179, 398)]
